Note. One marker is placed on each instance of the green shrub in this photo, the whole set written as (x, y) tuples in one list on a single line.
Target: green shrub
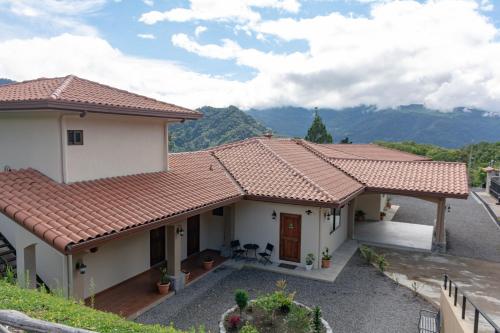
[(299, 319), (56, 309), (367, 253), (249, 329), (317, 325), (382, 263), (241, 299)]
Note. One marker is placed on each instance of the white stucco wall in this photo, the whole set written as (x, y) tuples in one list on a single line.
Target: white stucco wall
[(50, 264), (211, 231), (254, 224), (115, 262), (122, 259), (115, 146), (372, 204), (31, 140)]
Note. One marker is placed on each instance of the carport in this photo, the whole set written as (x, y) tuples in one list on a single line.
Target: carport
[(430, 181)]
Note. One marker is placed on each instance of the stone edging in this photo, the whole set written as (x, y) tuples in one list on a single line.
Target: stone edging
[(222, 329)]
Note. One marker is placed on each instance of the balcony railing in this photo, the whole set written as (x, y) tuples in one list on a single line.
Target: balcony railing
[(455, 292)]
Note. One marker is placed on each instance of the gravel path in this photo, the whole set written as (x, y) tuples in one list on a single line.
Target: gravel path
[(470, 230), (360, 300)]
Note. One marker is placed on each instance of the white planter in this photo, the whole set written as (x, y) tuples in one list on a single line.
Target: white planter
[(222, 320), (309, 267)]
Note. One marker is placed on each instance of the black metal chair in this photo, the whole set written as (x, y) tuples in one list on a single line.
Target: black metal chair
[(429, 322), (265, 257), (237, 251)]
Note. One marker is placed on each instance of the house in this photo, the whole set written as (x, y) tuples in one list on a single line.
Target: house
[(88, 186)]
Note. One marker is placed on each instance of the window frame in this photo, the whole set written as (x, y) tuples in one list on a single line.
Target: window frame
[(71, 136)]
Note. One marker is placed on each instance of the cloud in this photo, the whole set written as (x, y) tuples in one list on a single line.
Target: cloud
[(199, 30), (146, 36), (404, 52), (50, 15), (149, 3), (93, 58), (220, 10)]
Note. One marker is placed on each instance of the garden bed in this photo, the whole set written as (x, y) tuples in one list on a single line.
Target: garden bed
[(275, 312)]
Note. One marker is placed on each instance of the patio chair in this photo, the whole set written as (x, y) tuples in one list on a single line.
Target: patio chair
[(429, 322), (237, 251), (265, 257)]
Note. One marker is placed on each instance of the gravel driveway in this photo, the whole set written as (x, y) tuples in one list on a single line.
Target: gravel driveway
[(360, 299), (470, 230)]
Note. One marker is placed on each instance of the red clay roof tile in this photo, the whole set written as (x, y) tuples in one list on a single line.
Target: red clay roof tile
[(74, 93)]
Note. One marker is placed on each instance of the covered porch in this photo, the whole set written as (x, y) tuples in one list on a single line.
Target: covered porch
[(138, 294)]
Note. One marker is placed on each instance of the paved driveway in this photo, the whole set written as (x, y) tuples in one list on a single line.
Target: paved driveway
[(470, 230), (360, 300)]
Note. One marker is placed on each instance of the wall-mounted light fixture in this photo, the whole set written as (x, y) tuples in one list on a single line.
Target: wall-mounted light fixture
[(81, 267), (273, 215), (308, 212), (180, 231), (328, 214)]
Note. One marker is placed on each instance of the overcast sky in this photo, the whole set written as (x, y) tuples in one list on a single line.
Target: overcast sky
[(261, 53)]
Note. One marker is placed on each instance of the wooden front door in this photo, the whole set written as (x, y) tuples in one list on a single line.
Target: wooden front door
[(193, 235), (157, 246), (290, 231)]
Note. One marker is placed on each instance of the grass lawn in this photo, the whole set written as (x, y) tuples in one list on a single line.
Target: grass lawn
[(41, 305)]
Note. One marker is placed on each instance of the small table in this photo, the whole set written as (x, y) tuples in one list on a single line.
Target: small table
[(251, 247)]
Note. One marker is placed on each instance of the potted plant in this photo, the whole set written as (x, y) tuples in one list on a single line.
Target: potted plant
[(164, 284), (187, 275), (359, 216), (326, 258), (310, 261), (388, 203), (208, 263)]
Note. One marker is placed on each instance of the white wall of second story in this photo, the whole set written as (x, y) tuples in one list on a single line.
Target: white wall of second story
[(114, 146), (31, 140)]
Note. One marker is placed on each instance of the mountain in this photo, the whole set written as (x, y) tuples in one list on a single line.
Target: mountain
[(218, 126), (366, 124), (5, 81)]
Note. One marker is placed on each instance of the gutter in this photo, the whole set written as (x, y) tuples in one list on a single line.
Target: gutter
[(43, 105)]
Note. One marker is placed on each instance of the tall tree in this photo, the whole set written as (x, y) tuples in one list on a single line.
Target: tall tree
[(317, 132)]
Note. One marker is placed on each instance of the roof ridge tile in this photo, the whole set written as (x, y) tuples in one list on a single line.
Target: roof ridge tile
[(60, 89)]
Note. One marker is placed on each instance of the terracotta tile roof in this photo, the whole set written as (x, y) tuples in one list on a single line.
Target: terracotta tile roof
[(417, 177), (283, 169), (63, 215), (77, 94), (364, 151), (72, 214)]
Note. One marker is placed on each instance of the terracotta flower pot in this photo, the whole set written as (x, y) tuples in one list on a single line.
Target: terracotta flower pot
[(325, 263), (187, 276), (208, 264), (163, 289)]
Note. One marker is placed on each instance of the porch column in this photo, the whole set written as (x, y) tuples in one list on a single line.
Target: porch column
[(440, 228), (174, 257), (26, 266), (350, 218)]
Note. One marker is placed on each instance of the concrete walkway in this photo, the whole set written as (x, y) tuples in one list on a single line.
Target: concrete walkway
[(478, 278), (395, 235), (340, 258)]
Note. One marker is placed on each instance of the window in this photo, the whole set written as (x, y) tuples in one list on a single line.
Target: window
[(75, 137), (218, 211), (337, 213)]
